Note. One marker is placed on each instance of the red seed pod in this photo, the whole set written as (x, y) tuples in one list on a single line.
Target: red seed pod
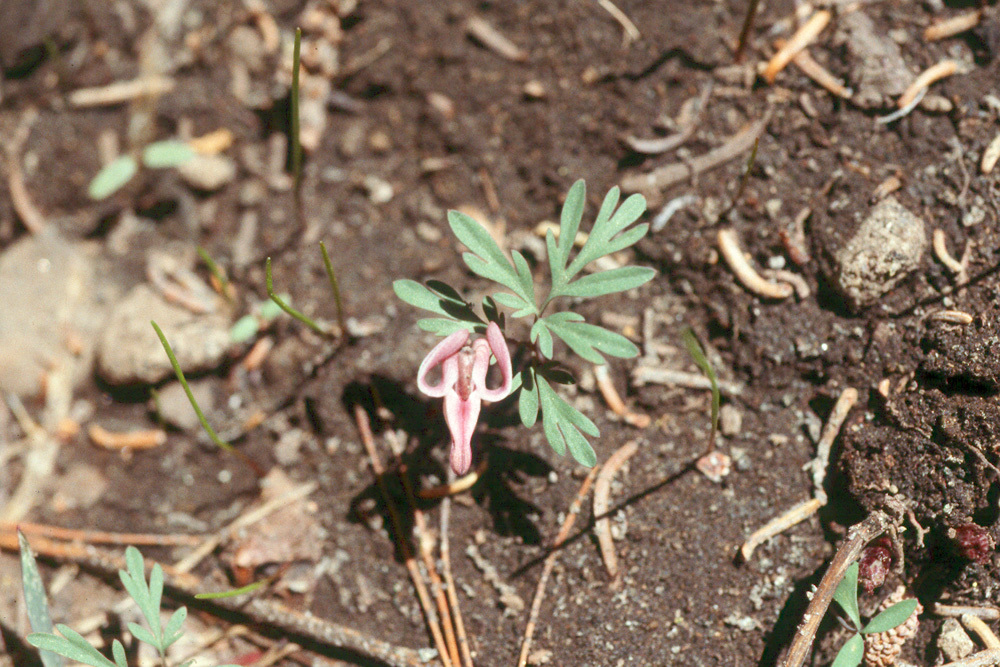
[(972, 542), (875, 562)]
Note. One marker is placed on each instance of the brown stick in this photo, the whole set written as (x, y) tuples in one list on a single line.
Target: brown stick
[(550, 561), (857, 537), (98, 536), (449, 580), (424, 539), (365, 429), (602, 491)]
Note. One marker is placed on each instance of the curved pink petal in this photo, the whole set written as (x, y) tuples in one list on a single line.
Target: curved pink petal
[(461, 417), (498, 346), (443, 351)]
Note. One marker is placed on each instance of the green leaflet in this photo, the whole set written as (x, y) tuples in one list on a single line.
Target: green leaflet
[(850, 653), (487, 260), (35, 600), (164, 154), (890, 618), (609, 282), (588, 340), (562, 424), (527, 402), (437, 297), (846, 594), (112, 177)]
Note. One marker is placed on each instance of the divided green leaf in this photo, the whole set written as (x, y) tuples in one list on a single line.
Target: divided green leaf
[(487, 260), (562, 424), (609, 282)]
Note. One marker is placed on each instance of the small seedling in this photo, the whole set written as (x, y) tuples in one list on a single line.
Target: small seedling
[(157, 155), (846, 595), (698, 355), (147, 595), (463, 369)]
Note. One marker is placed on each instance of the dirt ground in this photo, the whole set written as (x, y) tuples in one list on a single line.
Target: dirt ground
[(408, 111)]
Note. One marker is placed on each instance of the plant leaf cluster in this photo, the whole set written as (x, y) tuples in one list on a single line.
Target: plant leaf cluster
[(147, 595), (565, 427), (846, 596)]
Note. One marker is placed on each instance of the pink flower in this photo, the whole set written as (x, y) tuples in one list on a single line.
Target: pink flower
[(463, 384)]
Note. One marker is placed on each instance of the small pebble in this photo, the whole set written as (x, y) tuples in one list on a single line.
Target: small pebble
[(208, 172), (953, 641), (730, 420)]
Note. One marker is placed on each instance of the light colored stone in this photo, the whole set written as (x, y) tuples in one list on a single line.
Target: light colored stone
[(130, 352), (730, 420), (208, 172), (174, 408), (51, 313), (888, 245), (953, 642)]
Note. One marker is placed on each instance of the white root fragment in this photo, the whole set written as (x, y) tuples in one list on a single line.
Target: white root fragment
[(943, 69), (847, 399), (799, 41), (632, 33), (987, 658), (940, 247), (121, 91), (495, 41), (954, 611), (951, 316), (668, 376), (990, 156), (614, 400), (602, 492), (778, 525), (797, 282), (983, 631), (729, 246), (952, 26)]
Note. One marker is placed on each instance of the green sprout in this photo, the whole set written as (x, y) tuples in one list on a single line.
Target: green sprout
[(694, 349), (147, 595), (564, 426), (846, 595), (158, 155)]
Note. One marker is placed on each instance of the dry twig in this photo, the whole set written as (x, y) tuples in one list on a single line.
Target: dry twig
[(669, 143), (144, 439), (987, 658), (550, 561), (956, 611), (847, 399), (951, 317), (602, 492), (98, 536), (648, 374), (449, 582), (667, 175), (850, 549), (364, 428)]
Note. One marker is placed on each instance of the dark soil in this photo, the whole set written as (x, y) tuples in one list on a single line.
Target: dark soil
[(511, 153)]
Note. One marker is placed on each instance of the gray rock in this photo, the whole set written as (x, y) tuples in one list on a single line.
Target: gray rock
[(889, 244), (51, 314), (130, 351), (208, 172), (953, 642), (174, 408), (730, 420), (878, 70)]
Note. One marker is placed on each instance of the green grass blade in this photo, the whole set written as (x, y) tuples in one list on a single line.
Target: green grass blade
[(309, 322), (335, 286), (217, 272), (250, 588), (187, 390), (694, 349)]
